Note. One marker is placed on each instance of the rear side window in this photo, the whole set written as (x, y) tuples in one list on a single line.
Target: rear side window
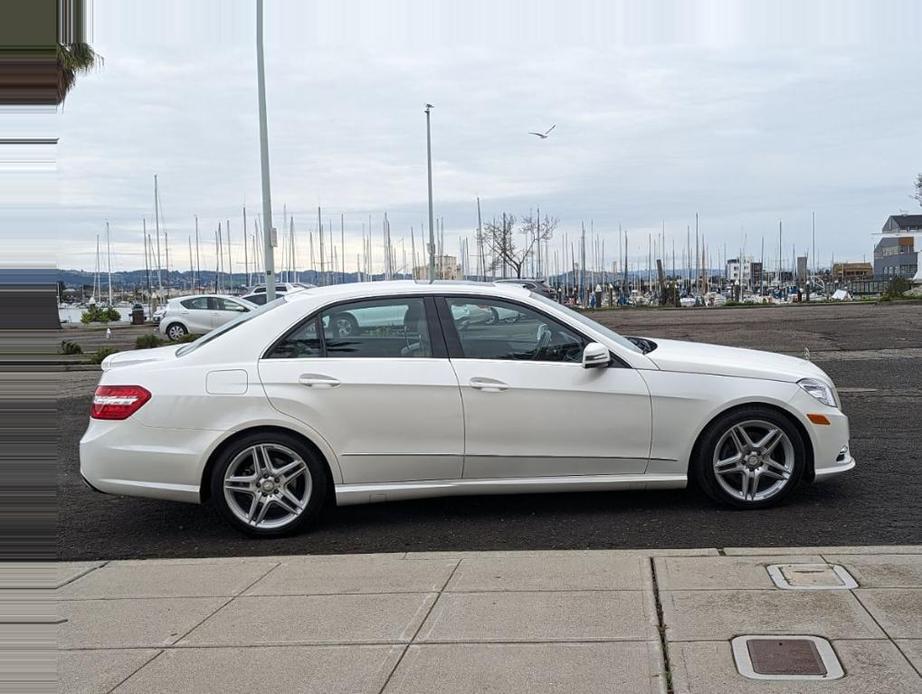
[(230, 305), (378, 329)]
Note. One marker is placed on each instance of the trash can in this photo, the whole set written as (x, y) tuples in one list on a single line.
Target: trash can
[(137, 315)]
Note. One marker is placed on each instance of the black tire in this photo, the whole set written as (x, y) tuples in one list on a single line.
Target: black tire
[(316, 469), (718, 433), (176, 331), (344, 325)]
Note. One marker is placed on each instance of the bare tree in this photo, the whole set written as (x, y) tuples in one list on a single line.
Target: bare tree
[(918, 194), (510, 248)]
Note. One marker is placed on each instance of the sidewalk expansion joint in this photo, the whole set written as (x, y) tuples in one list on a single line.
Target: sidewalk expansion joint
[(661, 626), (420, 627), (886, 633)]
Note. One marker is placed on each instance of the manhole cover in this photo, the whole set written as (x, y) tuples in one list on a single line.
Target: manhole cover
[(766, 657), (811, 577)]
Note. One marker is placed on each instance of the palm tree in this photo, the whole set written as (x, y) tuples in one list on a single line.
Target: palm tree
[(73, 59)]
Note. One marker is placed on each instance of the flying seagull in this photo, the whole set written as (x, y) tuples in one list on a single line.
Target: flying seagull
[(547, 132)]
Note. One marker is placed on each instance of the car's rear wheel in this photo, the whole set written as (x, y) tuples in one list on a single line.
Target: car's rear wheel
[(269, 484), (752, 457), (176, 331)]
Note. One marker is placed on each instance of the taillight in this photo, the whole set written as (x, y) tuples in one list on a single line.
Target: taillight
[(118, 402)]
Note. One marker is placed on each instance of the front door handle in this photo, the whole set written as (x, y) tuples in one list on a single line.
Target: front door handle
[(489, 385), (317, 381)]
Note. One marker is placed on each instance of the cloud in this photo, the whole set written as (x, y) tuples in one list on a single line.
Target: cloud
[(744, 115)]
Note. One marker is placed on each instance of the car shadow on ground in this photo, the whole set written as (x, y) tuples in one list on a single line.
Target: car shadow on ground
[(590, 520)]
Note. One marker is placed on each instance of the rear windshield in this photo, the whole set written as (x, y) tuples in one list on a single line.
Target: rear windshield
[(227, 327)]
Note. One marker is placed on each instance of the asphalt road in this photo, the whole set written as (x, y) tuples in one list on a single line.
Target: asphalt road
[(873, 352)]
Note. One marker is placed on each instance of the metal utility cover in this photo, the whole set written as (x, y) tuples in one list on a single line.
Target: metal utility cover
[(811, 577), (785, 657), (768, 657)]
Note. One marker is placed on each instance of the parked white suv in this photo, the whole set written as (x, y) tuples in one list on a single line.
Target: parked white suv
[(200, 313)]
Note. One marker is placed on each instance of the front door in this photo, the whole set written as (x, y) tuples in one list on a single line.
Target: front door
[(376, 386), (531, 409)]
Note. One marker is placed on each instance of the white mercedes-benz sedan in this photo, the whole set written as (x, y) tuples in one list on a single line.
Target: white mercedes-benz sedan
[(375, 392)]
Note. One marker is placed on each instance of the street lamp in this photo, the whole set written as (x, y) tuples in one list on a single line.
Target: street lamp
[(431, 222), (268, 231)]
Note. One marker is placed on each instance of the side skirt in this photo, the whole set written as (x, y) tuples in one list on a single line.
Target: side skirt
[(347, 494)]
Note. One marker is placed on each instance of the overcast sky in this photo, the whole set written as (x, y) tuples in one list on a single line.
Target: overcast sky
[(745, 112)]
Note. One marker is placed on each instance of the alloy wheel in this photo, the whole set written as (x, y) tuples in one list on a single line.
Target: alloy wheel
[(754, 460), (267, 486)]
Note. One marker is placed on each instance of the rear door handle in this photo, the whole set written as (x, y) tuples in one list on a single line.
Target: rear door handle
[(489, 385), (317, 381)]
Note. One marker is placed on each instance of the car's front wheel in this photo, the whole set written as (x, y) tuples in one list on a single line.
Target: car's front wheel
[(752, 457), (269, 484)]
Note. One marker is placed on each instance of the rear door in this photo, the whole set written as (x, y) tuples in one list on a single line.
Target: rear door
[(374, 379), (196, 312)]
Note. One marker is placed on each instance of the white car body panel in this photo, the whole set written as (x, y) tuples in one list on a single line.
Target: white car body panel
[(552, 419), (376, 440), (557, 425)]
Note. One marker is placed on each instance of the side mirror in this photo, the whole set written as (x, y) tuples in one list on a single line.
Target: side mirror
[(595, 355)]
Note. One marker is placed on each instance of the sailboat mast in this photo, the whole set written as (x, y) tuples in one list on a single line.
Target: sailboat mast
[(146, 264), (320, 234), (157, 225), (198, 263), (109, 261), (246, 262)]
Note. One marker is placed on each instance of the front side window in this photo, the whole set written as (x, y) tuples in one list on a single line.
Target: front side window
[(230, 305), (493, 329), (378, 328)]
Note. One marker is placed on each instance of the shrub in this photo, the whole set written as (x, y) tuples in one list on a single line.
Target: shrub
[(68, 347), (101, 354), (147, 341), (96, 314), (895, 289), (189, 337)]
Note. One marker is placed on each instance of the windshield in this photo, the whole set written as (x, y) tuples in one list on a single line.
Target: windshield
[(588, 322), (239, 320)]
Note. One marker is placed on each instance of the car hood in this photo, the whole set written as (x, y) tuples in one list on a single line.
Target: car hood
[(696, 357), (139, 356)]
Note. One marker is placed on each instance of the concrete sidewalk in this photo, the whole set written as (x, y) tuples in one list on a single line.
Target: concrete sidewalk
[(572, 621)]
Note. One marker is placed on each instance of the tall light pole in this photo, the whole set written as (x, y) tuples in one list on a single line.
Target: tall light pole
[(268, 231), (431, 220)]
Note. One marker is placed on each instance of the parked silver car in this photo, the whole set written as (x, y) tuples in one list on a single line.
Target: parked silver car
[(200, 313)]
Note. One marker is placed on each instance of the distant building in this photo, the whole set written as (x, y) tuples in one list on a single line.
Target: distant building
[(845, 272), (802, 269), (739, 270), (896, 253), (756, 272)]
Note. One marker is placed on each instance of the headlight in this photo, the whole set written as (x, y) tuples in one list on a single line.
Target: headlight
[(819, 390)]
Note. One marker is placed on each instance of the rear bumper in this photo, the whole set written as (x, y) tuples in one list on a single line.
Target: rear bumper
[(128, 458)]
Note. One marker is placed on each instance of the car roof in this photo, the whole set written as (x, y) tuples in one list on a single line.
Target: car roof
[(392, 287), (199, 296)]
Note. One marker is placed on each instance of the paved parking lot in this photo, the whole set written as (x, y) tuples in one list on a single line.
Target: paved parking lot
[(874, 353)]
